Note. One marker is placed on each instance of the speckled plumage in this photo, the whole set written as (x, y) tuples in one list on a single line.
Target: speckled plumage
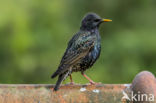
[(83, 49)]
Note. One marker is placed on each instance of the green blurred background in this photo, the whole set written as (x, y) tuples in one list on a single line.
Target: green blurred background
[(34, 35)]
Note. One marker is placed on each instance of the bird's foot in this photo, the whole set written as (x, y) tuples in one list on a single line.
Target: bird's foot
[(72, 83), (94, 83)]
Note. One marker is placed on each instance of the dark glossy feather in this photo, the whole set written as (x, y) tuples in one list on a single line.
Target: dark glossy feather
[(78, 47)]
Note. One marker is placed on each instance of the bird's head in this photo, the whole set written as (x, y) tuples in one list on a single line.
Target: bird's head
[(92, 21)]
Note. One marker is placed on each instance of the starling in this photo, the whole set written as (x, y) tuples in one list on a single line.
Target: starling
[(82, 51)]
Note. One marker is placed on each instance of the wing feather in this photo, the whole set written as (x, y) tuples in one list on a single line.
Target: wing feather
[(76, 50)]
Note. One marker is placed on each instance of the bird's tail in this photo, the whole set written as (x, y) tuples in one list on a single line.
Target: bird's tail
[(60, 79), (59, 71)]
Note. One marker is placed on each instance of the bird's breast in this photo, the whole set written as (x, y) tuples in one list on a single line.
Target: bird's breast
[(96, 51)]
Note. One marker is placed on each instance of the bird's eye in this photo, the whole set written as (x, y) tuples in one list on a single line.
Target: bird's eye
[(89, 19), (97, 20)]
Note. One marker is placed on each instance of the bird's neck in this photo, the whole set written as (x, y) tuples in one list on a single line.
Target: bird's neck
[(94, 31), (89, 29)]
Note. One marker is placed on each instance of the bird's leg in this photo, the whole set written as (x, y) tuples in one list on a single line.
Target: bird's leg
[(91, 81), (71, 80)]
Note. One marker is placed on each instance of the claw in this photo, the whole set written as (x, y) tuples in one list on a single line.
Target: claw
[(72, 83), (94, 83)]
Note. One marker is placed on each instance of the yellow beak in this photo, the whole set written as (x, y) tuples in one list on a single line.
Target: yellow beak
[(106, 20)]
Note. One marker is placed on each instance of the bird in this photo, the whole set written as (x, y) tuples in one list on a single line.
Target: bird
[(82, 51)]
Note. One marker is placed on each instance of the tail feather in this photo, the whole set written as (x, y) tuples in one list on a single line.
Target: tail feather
[(59, 81), (58, 71), (54, 75), (61, 69)]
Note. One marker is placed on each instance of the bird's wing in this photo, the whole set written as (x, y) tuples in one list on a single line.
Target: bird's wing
[(78, 47)]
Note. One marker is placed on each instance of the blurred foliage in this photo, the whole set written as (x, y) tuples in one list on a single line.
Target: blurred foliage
[(34, 35)]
